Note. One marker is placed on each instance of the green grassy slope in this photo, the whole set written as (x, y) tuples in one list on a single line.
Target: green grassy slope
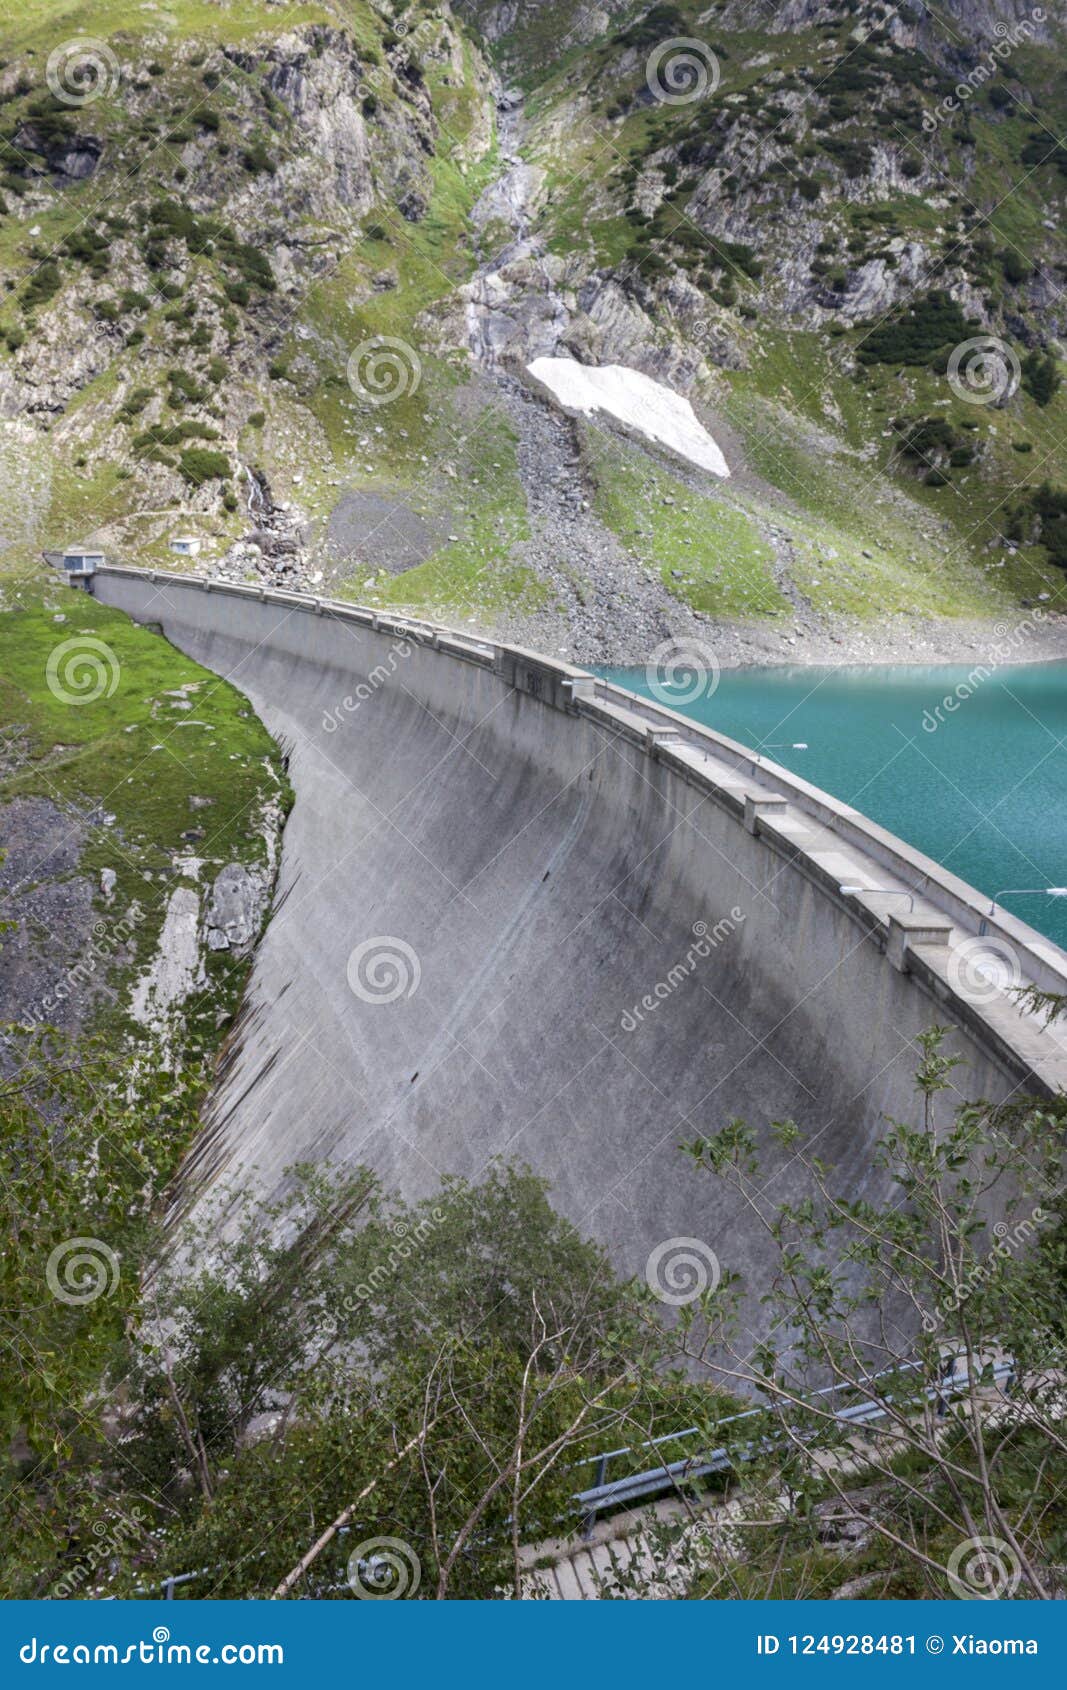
[(110, 722)]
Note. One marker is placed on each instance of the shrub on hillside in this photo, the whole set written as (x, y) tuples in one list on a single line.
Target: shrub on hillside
[(1040, 376), (199, 464), (42, 286), (915, 336)]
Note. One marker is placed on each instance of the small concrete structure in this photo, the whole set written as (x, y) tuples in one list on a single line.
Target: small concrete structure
[(78, 563), (82, 561), (186, 545)]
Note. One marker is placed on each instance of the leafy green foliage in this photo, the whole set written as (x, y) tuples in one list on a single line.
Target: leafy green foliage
[(87, 1137), (257, 159), (1041, 377), (443, 1370), (200, 464), (1041, 517), (1042, 148), (43, 285), (933, 443), (962, 1256), (660, 24)]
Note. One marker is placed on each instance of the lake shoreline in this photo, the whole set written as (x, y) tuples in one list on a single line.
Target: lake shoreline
[(1022, 636), (1018, 634)]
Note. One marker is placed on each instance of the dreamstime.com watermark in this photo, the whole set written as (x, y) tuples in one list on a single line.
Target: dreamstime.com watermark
[(110, 1543), (409, 1239), (681, 70), (106, 937), (1009, 37), (384, 1569), (82, 70), (1009, 642), (681, 671), (81, 1270), (82, 669), (382, 672), (409, 38), (706, 939), (384, 368), (1009, 1240), (984, 1569), (984, 370), (984, 969), (155, 1651)]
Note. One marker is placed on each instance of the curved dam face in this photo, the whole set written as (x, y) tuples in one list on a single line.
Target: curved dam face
[(522, 915)]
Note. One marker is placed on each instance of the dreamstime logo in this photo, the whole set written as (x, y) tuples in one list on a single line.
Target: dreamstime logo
[(409, 1240), (105, 939), (82, 670), (384, 1569), (984, 1569), (1008, 1241), (681, 671), (704, 942), (81, 71), (82, 1269), (383, 369), (1008, 639), (984, 371), (1009, 36), (377, 677), (681, 70), (384, 968), (116, 1538), (982, 970), (681, 1270)]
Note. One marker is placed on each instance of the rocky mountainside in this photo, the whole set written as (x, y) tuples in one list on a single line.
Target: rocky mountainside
[(274, 276)]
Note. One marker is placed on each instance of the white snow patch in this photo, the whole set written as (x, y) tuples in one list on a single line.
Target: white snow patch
[(635, 400)]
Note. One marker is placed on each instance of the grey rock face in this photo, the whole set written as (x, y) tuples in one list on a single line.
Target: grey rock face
[(74, 157), (981, 17), (47, 974), (236, 910)]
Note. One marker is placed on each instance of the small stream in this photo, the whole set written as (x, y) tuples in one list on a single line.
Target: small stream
[(970, 768), (500, 315)]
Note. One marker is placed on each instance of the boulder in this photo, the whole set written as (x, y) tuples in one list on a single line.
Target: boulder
[(235, 910)]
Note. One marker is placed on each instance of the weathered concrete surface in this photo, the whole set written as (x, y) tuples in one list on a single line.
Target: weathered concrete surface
[(534, 872)]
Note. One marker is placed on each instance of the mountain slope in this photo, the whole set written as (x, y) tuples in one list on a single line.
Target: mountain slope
[(278, 282)]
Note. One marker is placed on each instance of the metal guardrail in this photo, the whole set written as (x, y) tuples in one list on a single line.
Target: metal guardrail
[(658, 1481)]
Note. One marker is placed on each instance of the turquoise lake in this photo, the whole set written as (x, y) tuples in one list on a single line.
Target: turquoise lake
[(982, 788)]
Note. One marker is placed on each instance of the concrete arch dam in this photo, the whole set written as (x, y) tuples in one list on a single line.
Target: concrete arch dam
[(523, 914)]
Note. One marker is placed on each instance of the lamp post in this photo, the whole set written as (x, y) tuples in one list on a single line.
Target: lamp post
[(880, 891), (1019, 892), (781, 745)]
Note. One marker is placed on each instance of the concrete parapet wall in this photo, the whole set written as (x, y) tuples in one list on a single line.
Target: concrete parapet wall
[(613, 930)]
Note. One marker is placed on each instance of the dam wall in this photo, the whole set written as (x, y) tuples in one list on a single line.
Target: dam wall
[(522, 914)]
